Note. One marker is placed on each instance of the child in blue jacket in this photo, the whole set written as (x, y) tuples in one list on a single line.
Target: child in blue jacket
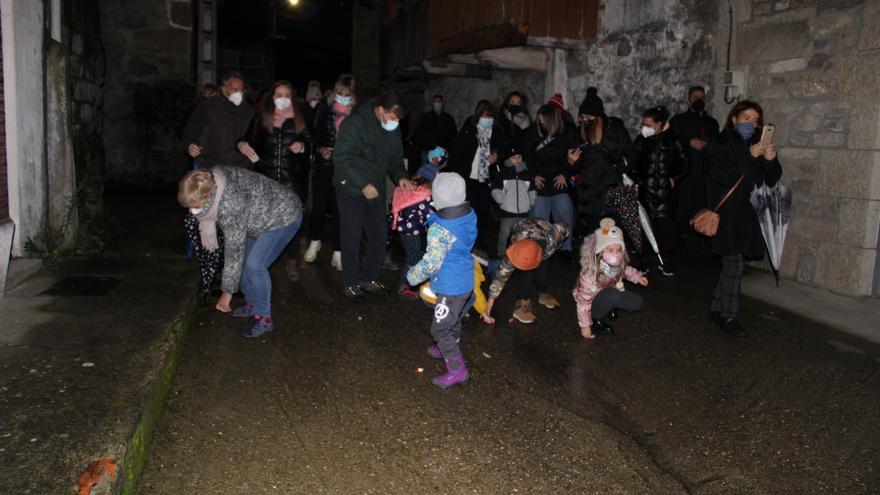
[(448, 263)]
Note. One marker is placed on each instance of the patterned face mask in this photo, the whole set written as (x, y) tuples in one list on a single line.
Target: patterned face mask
[(608, 270)]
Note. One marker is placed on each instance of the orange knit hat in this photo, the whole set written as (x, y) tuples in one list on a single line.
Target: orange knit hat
[(525, 254)]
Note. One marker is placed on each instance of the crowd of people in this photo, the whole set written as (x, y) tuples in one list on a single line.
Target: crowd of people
[(504, 192)]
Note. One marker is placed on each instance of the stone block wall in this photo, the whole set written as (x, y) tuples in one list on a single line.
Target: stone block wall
[(148, 88), (85, 77), (815, 68)]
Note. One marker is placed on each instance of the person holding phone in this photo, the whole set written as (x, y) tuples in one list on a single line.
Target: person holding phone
[(473, 156), (738, 161)]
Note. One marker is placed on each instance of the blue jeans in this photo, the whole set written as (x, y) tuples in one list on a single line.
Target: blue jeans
[(259, 254), (562, 210)]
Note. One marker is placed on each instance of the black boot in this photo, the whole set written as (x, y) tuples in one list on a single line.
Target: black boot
[(602, 328), (731, 328)]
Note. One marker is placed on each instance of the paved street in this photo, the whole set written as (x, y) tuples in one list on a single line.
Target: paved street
[(331, 402)]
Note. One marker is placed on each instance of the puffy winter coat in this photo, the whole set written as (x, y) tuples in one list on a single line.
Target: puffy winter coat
[(273, 147), (661, 160), (514, 190)]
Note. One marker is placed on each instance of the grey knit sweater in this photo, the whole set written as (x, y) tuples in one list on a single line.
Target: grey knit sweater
[(251, 204)]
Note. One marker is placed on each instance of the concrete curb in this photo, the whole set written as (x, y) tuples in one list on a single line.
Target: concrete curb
[(856, 316), (138, 446)]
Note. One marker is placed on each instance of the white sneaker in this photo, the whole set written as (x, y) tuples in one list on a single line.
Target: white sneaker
[(336, 261), (312, 251)]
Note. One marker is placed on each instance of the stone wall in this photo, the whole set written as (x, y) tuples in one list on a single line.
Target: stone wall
[(85, 77), (648, 53), (815, 68), (148, 88)]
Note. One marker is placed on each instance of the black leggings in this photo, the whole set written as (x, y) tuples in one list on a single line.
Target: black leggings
[(610, 298)]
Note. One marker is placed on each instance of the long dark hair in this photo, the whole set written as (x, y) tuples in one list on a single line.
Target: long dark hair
[(741, 107), (267, 106)]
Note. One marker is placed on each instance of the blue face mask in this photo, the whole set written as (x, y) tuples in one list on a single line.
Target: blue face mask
[(486, 122), (343, 100), (390, 125), (746, 130)]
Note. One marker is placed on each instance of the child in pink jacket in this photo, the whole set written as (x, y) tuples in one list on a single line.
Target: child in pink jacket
[(599, 290)]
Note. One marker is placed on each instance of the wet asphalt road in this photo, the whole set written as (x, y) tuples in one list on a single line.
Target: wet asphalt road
[(331, 402)]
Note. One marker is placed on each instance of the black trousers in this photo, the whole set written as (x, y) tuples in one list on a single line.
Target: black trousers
[(323, 202), (359, 216), (532, 280)]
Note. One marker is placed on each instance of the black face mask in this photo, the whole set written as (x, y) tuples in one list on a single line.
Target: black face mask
[(698, 105), (514, 109)]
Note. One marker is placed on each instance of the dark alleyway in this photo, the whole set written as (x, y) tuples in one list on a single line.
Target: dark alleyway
[(331, 402)]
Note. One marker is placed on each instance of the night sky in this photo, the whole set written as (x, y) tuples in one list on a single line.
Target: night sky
[(313, 40)]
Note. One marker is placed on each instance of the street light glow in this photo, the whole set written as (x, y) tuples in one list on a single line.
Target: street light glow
[(293, 3)]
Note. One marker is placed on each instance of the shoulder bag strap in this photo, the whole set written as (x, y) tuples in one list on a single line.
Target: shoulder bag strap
[(729, 193)]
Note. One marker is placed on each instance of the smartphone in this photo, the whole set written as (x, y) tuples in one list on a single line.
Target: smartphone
[(767, 133)]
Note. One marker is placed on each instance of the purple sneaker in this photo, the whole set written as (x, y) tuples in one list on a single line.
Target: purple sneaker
[(456, 373), (257, 326), (243, 311), (434, 352)]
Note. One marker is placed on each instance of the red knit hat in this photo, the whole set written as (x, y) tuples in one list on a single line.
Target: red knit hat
[(557, 101), (525, 254)]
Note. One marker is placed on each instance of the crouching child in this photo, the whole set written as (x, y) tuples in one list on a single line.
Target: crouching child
[(452, 231), (599, 291)]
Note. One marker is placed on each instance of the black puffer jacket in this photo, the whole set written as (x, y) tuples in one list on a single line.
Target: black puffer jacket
[(601, 166), (661, 161), (728, 159), (276, 160), (325, 130)]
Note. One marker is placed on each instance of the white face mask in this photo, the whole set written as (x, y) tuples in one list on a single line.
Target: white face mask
[(313, 103), (648, 131), (196, 211), (236, 98), (343, 100), (282, 103), (438, 107), (390, 125)]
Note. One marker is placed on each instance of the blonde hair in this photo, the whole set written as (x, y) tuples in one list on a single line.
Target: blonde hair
[(194, 187), (345, 81)]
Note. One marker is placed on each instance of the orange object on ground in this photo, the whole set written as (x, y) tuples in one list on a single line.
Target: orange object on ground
[(95, 473)]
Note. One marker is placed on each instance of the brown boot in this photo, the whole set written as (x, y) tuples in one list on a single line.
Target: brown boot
[(523, 311), (547, 300), (292, 270)]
